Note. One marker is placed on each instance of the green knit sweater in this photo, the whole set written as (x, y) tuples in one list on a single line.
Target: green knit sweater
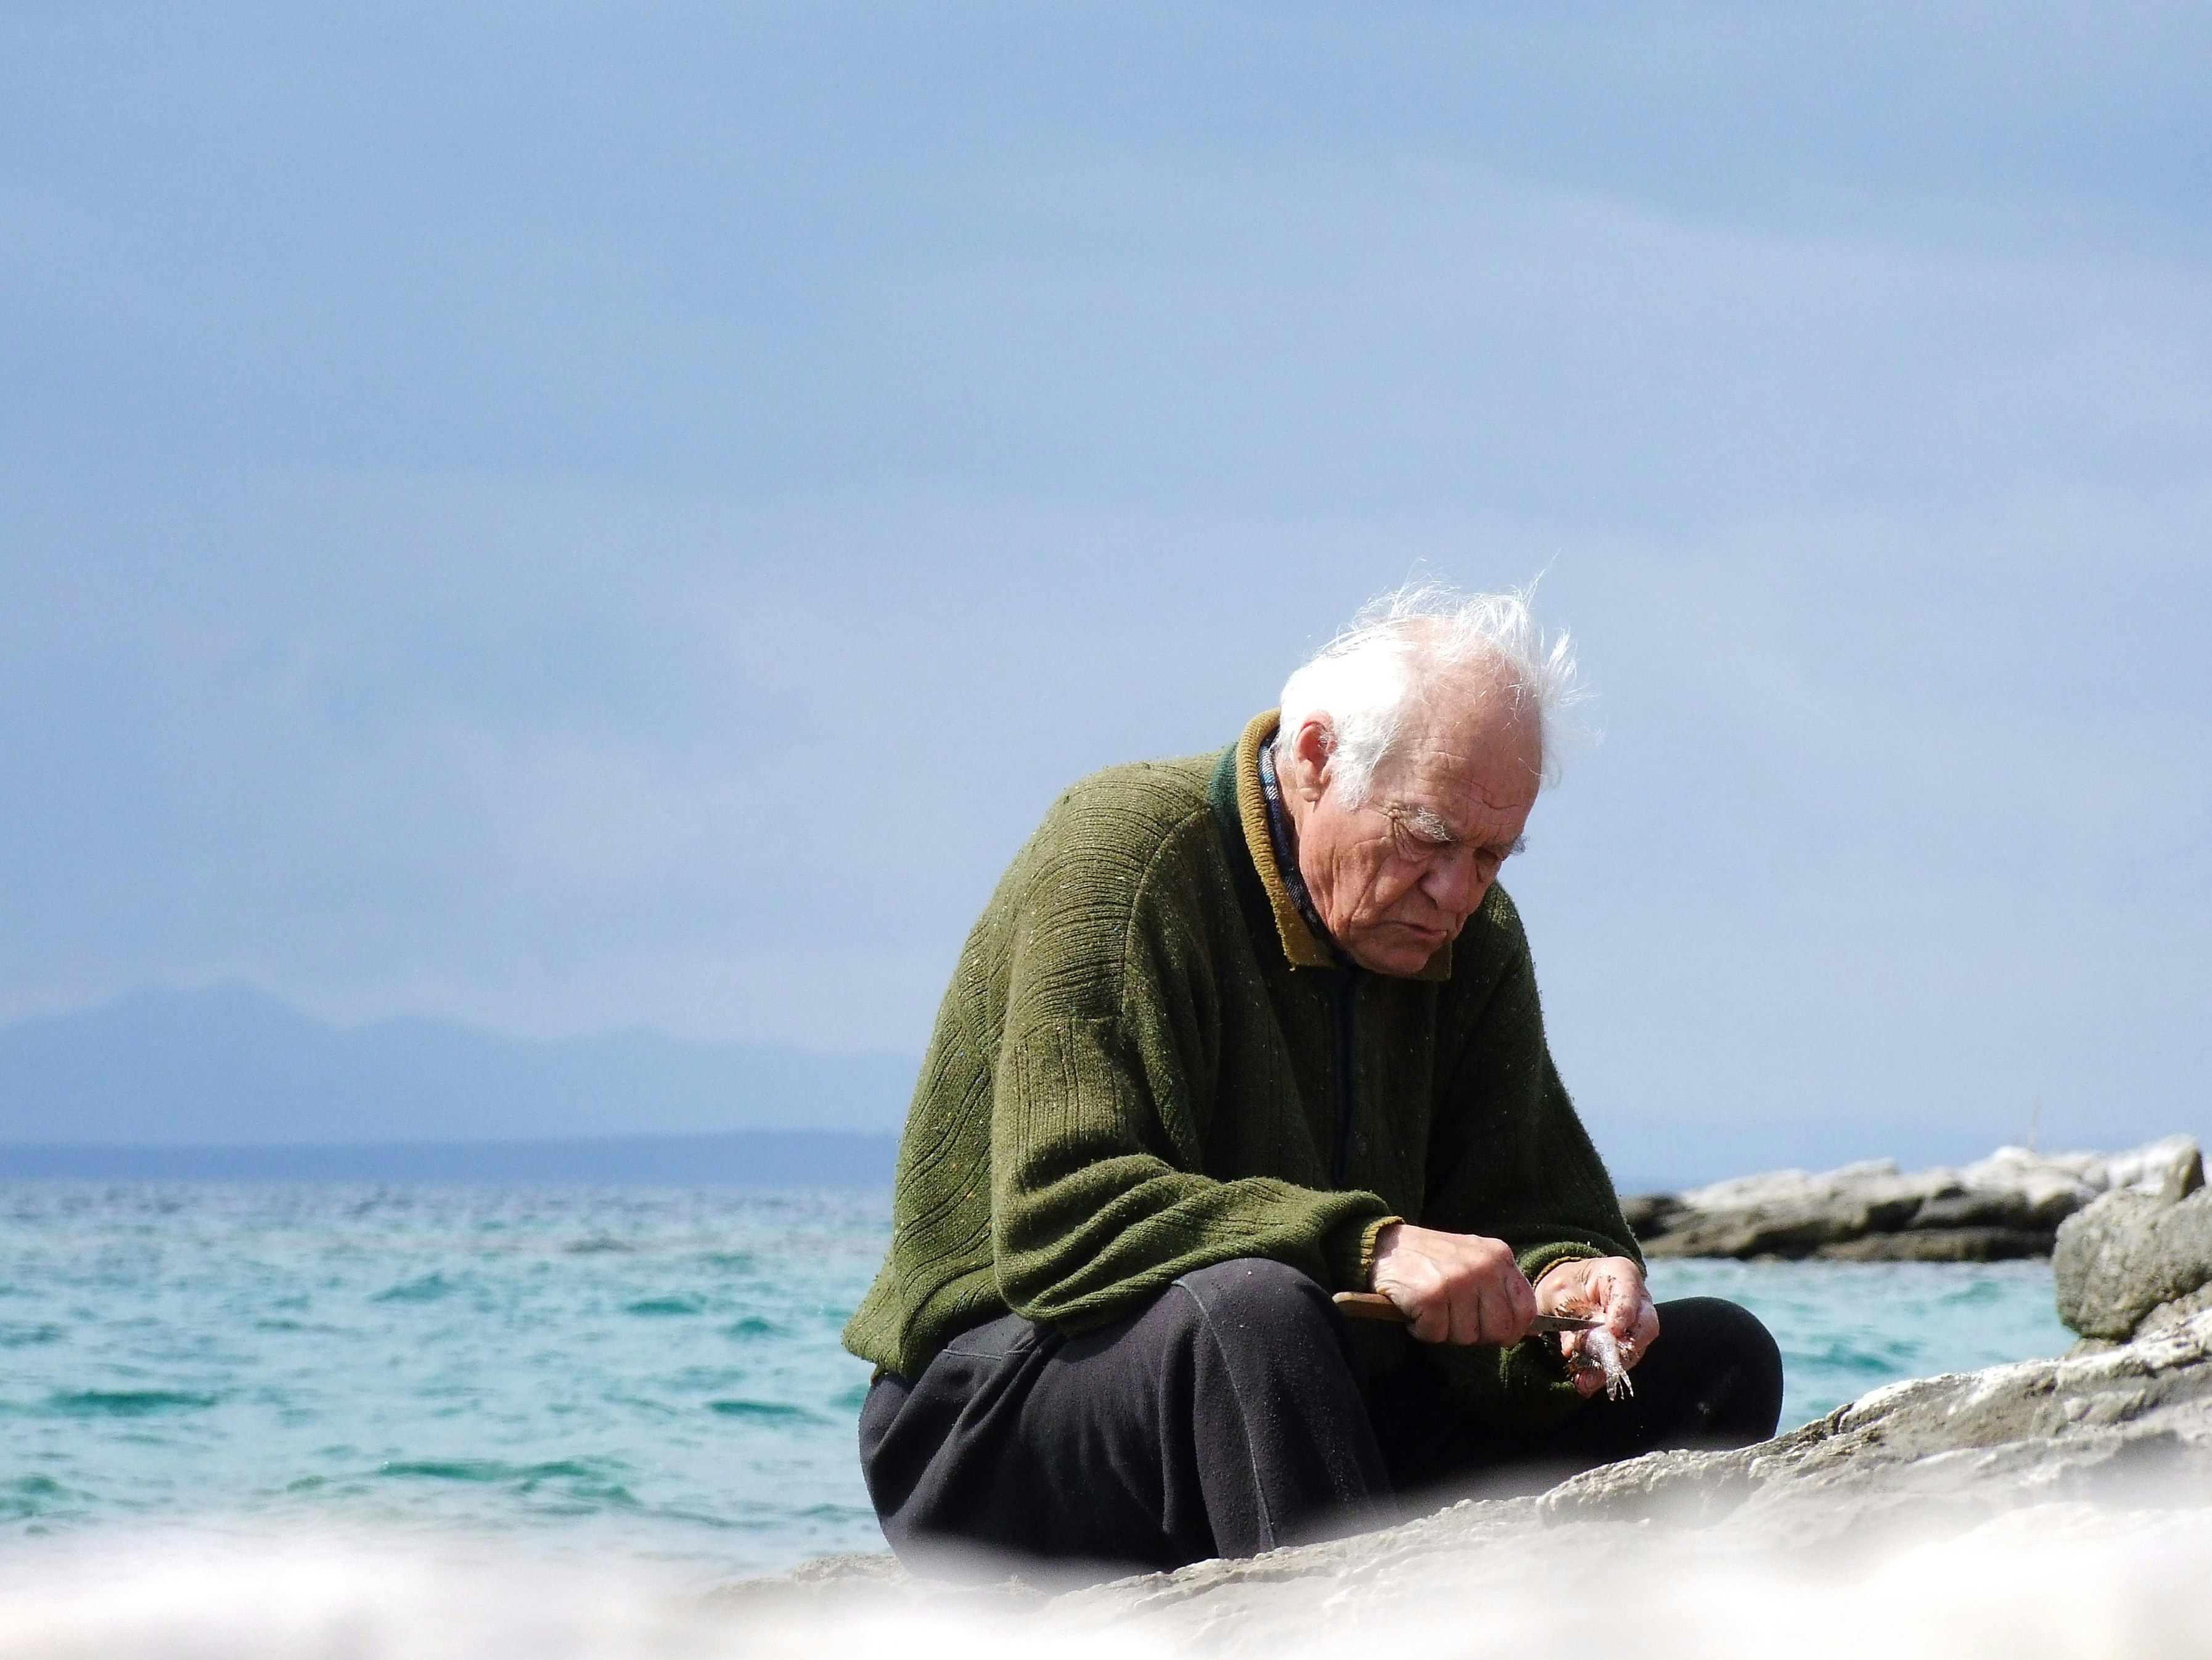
[(1147, 1063)]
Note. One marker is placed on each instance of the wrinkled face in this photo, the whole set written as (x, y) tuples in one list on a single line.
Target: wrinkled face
[(1397, 876)]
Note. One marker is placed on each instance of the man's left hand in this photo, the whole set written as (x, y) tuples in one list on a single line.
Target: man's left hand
[(1610, 1288)]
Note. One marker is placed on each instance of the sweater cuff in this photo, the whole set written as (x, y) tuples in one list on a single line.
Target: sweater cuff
[(1349, 1251)]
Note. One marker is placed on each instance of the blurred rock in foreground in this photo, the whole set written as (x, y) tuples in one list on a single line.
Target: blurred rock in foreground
[(2008, 1205)]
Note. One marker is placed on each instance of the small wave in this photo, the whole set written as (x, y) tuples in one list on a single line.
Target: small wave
[(126, 1403), (752, 1326), (651, 1306), (561, 1487), (494, 1470), (23, 1337), (1985, 1289), (427, 1289), (597, 1245), (29, 1496), (1883, 1360), (592, 1500), (763, 1411)]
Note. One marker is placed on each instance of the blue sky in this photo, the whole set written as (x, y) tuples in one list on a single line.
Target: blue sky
[(576, 517)]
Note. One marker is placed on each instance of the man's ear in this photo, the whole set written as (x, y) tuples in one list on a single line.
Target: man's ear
[(1311, 745)]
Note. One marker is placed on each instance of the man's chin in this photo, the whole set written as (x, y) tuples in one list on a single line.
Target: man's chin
[(1402, 951)]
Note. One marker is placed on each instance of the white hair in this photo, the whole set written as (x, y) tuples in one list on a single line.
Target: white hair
[(1404, 648)]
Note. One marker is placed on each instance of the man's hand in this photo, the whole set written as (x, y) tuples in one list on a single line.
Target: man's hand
[(1454, 1287), (1608, 1287)]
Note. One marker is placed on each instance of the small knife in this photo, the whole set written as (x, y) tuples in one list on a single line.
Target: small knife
[(1373, 1305)]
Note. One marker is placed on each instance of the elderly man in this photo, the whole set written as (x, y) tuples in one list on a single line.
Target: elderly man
[(1233, 1035)]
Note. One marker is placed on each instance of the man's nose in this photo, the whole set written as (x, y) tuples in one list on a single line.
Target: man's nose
[(1454, 885)]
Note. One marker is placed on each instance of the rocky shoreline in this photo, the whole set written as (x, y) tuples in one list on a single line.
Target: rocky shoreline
[(2011, 1204)]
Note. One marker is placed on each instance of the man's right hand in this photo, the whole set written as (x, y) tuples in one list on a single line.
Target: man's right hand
[(1454, 1287)]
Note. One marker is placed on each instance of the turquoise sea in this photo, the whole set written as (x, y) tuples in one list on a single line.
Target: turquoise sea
[(652, 1373)]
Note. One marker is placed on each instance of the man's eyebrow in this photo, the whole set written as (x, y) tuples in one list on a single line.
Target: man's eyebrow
[(1424, 822)]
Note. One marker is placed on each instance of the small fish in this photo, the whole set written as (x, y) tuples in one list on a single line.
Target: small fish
[(1599, 1351)]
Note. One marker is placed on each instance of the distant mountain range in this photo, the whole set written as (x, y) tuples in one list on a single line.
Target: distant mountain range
[(231, 1084), (232, 1081)]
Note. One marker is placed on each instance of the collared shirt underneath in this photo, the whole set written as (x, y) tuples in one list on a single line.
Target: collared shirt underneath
[(1283, 841)]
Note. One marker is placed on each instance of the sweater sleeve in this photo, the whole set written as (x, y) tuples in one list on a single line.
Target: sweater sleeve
[(1510, 1159), (1101, 1093)]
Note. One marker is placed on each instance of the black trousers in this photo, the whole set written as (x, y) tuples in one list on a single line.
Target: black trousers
[(1232, 1415)]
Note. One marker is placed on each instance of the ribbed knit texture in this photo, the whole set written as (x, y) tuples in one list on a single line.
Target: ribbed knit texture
[(1130, 1079)]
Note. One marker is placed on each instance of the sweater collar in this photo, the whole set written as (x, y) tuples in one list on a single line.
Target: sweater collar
[(1242, 803), (1283, 842)]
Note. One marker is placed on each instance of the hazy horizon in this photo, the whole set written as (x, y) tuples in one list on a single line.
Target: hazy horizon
[(229, 1083)]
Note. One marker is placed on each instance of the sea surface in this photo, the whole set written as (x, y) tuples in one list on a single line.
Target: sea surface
[(646, 1374)]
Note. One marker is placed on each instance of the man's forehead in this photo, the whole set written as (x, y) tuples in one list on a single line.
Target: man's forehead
[(1483, 721), (1465, 777)]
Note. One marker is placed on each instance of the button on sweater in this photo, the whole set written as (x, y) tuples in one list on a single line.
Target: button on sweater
[(1147, 1063)]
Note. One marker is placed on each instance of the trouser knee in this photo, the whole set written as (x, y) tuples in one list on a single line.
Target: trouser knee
[(1260, 1295), (1734, 1330), (1221, 1418), (1740, 1361)]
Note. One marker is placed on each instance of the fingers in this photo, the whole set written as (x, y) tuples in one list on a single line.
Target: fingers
[(1629, 1313), (1454, 1288), (1630, 1304), (1523, 1298), (1582, 1369), (1410, 1280), (1467, 1321), (1473, 1316), (1502, 1301), (1647, 1331), (1612, 1289), (1561, 1287)]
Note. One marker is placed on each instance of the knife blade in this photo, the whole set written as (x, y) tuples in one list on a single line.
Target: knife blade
[(1373, 1305)]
